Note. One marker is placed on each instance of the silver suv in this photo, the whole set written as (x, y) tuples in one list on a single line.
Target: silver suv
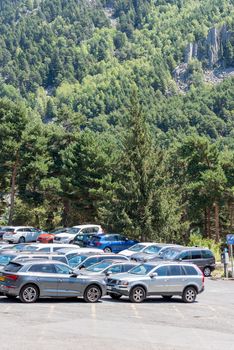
[(157, 278)]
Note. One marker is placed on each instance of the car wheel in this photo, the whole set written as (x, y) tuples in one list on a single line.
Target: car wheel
[(21, 240), (29, 293), (207, 271), (11, 297), (189, 295), (92, 294), (167, 297), (115, 296), (107, 250), (137, 294)]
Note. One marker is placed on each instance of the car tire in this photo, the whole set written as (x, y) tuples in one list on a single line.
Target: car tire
[(189, 295), (207, 271), (107, 250), (115, 296), (137, 294), (92, 293), (21, 240), (11, 297), (29, 293), (167, 297)]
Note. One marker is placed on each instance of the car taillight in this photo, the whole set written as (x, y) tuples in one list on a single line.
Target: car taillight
[(11, 277), (98, 244), (13, 232)]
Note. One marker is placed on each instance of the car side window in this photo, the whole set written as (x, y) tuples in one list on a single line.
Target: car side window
[(163, 271), (115, 269), (185, 255), (176, 270), (190, 270), (45, 268), (196, 254), (61, 269)]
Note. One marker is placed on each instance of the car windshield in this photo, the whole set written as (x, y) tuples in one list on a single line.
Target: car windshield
[(137, 248), (171, 254), (8, 229), (76, 260), (100, 266), (31, 248), (143, 269), (4, 259), (152, 249)]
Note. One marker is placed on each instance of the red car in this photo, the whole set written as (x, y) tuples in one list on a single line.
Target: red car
[(49, 237)]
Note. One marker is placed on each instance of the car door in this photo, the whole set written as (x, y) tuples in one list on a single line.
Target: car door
[(176, 279), (159, 283), (197, 258), (123, 243), (45, 277), (68, 285), (115, 243)]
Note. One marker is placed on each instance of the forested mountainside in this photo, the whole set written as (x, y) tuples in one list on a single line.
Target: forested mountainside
[(106, 115)]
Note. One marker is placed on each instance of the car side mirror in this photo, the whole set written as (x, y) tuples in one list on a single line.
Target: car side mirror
[(73, 274), (107, 273), (154, 274)]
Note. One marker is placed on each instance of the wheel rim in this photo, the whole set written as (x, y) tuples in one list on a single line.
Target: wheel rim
[(107, 250), (21, 240), (29, 294), (138, 294), (207, 271), (93, 294), (190, 295)]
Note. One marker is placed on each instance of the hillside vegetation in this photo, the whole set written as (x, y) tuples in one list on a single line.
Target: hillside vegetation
[(93, 124)]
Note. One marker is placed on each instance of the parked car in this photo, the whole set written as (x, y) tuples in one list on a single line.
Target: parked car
[(151, 279), (37, 279), (111, 242), (80, 229), (48, 237), (136, 248), (83, 239), (48, 248), (40, 256), (84, 261), (149, 251), (202, 257), (108, 267), (21, 234)]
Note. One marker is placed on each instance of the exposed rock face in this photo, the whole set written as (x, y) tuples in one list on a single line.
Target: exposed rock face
[(211, 49)]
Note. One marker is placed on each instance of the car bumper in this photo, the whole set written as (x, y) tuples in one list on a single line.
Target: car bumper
[(11, 239), (117, 290)]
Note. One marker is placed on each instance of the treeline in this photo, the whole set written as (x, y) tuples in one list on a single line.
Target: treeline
[(135, 178)]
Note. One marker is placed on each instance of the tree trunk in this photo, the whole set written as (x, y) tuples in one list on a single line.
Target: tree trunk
[(13, 184), (208, 223), (205, 222), (217, 230), (66, 209)]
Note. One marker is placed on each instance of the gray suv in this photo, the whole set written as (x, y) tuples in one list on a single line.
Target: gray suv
[(165, 279), (202, 257)]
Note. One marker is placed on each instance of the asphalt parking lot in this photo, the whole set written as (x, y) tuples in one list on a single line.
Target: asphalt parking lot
[(154, 324)]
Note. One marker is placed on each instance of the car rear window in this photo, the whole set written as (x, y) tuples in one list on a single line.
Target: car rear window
[(207, 254), (190, 270), (5, 259), (12, 267)]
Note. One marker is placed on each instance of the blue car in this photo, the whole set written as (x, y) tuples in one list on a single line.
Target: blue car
[(113, 242)]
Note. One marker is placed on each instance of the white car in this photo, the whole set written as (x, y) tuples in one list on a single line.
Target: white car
[(136, 248), (75, 230), (48, 248), (21, 234)]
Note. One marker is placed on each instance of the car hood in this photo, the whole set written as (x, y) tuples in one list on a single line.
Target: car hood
[(128, 277), (44, 235), (139, 256)]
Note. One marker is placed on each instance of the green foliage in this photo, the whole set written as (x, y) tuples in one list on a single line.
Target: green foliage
[(197, 240)]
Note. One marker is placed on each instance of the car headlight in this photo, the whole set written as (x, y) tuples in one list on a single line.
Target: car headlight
[(123, 283)]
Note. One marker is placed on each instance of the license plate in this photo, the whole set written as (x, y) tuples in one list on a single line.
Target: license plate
[(2, 278), (108, 287)]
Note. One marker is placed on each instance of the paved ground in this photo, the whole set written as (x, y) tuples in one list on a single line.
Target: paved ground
[(153, 325)]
